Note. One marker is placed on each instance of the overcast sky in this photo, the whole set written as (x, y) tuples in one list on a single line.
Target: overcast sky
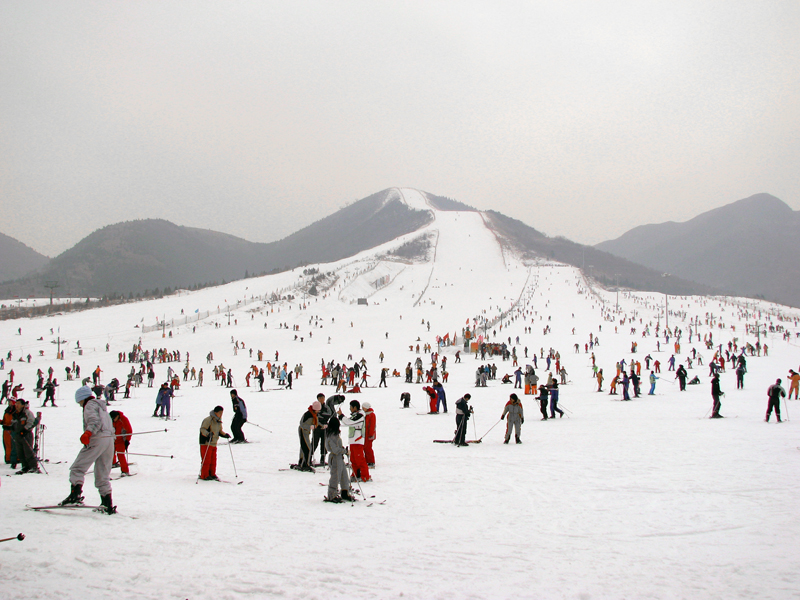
[(582, 119)]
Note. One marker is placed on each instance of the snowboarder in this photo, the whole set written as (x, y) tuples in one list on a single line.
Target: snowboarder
[(210, 432), (775, 392), (515, 419), (98, 450)]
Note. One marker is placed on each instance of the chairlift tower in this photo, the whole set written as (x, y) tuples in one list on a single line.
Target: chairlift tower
[(51, 285)]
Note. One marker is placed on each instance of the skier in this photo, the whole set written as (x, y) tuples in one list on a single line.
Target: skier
[(515, 419), (122, 439), (98, 450), (543, 397), (210, 432), (463, 412), (355, 439), (163, 400), (441, 399), (308, 421), (681, 376), (23, 425), (741, 369), (653, 379), (554, 401), (9, 447), (775, 392), (239, 418), (339, 477), (432, 397), (370, 433), (716, 394), (327, 411), (794, 377)]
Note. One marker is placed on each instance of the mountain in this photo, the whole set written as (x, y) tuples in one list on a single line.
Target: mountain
[(135, 256), (608, 269), (747, 248), (17, 259)]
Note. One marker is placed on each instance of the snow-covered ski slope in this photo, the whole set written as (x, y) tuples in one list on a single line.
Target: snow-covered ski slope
[(640, 499)]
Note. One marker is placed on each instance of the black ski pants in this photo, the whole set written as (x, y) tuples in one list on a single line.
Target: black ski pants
[(461, 430), (236, 427), (776, 404)]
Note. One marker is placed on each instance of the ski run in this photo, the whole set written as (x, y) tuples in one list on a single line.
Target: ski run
[(646, 498)]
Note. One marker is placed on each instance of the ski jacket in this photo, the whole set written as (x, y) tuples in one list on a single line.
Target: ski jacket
[(370, 422), (307, 422), (715, 390), (210, 430), (329, 408), (514, 412), (462, 407), (24, 421), (333, 444), (440, 395), (356, 423), (164, 394), (775, 392), (239, 407), (122, 429), (96, 419)]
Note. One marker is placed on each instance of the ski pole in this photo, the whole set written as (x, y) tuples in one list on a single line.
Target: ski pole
[(100, 437), (156, 455), (202, 462), (786, 406), (492, 427), (259, 426), (20, 537), (233, 461)]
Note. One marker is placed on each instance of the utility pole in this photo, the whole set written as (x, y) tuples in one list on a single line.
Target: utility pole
[(666, 300), (51, 285)]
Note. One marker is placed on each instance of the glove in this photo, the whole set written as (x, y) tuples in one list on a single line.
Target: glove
[(227, 436), (87, 435), (521, 421), (127, 444)]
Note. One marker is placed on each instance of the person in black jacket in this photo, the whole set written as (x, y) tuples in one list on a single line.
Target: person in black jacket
[(239, 418), (775, 393), (681, 376), (463, 412), (716, 393), (543, 397)]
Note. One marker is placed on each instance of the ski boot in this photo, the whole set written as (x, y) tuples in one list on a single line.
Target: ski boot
[(347, 496), (105, 502), (74, 496), (519, 441)]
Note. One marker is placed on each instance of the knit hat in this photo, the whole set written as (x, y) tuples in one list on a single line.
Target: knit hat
[(366, 406), (316, 406), (83, 393)]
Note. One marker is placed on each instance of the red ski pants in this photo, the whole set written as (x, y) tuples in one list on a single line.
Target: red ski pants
[(358, 462), (208, 454), (369, 455), (123, 461)]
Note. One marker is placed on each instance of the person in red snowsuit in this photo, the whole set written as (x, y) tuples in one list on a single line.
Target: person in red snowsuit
[(356, 424), (433, 397), (369, 437), (122, 431)]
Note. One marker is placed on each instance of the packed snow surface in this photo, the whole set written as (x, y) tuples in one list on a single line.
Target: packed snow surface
[(639, 499)]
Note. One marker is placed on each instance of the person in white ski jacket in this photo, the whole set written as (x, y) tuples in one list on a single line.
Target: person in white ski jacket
[(98, 450)]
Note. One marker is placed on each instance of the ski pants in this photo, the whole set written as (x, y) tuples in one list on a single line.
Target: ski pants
[(461, 429), (305, 448), (554, 408), (236, 427), (793, 388), (9, 447), (369, 455), (100, 453), (358, 462), (776, 404), (122, 459), (25, 450), (339, 477), (740, 381), (652, 389), (440, 402), (208, 458), (717, 405), (543, 407), (513, 424), (319, 439)]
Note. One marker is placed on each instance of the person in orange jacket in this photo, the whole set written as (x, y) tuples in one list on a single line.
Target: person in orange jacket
[(122, 431), (369, 436)]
